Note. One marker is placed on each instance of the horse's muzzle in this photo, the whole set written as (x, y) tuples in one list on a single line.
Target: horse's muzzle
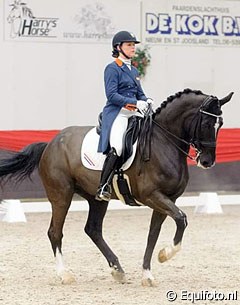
[(204, 163)]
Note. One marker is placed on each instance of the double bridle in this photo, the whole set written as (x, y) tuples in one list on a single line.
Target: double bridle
[(195, 142)]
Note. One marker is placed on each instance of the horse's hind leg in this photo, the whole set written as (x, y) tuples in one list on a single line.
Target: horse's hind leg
[(93, 229), (60, 199), (55, 236)]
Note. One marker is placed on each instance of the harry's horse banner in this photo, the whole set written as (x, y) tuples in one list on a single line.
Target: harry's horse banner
[(77, 21)]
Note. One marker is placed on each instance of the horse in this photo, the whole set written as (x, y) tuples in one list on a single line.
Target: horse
[(18, 12), (187, 118)]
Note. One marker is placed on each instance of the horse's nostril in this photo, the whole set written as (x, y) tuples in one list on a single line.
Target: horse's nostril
[(206, 164)]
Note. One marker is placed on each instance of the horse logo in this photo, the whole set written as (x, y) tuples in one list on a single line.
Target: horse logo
[(18, 13)]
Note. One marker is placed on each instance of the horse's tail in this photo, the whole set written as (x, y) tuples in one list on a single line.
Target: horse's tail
[(21, 164)]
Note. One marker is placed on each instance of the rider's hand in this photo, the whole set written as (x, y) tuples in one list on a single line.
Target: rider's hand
[(150, 101), (142, 106)]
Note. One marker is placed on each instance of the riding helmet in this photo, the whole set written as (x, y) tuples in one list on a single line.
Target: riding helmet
[(123, 36)]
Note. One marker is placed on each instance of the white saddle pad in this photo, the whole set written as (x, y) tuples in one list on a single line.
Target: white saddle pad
[(94, 160)]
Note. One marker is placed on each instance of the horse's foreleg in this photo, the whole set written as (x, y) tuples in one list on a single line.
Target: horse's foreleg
[(165, 205), (55, 235), (169, 251), (93, 229), (155, 227)]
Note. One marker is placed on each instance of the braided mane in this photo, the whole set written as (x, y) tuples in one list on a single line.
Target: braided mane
[(176, 95)]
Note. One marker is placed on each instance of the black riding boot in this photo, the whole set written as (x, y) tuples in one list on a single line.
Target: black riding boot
[(104, 191)]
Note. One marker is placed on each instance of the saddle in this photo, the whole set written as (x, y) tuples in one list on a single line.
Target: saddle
[(130, 137), (138, 133), (94, 160)]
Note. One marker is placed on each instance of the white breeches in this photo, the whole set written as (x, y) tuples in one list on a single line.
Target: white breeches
[(118, 129)]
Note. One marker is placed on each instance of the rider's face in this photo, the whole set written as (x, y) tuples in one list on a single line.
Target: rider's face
[(128, 48)]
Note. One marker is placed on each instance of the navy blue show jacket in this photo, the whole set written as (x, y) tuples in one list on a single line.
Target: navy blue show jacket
[(122, 87)]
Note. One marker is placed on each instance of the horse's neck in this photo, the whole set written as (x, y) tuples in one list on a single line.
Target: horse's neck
[(178, 115), (173, 120)]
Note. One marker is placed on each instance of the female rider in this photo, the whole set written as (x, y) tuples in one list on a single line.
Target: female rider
[(124, 98)]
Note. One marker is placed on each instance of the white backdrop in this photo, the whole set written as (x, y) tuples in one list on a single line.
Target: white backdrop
[(56, 80)]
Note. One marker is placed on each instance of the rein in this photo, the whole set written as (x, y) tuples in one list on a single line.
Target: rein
[(144, 142), (181, 140)]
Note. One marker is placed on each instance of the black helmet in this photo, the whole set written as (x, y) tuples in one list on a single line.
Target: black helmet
[(123, 36)]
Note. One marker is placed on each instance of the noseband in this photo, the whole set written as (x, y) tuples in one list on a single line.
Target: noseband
[(195, 142)]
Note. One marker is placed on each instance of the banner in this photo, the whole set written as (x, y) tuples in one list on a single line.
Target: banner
[(81, 21), (167, 22), (228, 143), (187, 22)]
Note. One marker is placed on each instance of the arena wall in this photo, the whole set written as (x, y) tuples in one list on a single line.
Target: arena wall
[(50, 82)]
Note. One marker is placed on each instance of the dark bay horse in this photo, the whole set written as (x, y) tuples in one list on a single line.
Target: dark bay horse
[(184, 119)]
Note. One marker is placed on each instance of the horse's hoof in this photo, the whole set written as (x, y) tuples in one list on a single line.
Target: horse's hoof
[(163, 255), (148, 279), (67, 278), (149, 283), (119, 276), (168, 252)]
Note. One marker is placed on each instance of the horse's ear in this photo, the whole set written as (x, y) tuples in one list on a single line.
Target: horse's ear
[(226, 99)]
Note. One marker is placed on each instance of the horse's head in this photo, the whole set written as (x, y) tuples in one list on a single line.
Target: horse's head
[(205, 129)]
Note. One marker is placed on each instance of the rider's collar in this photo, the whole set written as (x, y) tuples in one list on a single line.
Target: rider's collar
[(119, 61), (125, 61)]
